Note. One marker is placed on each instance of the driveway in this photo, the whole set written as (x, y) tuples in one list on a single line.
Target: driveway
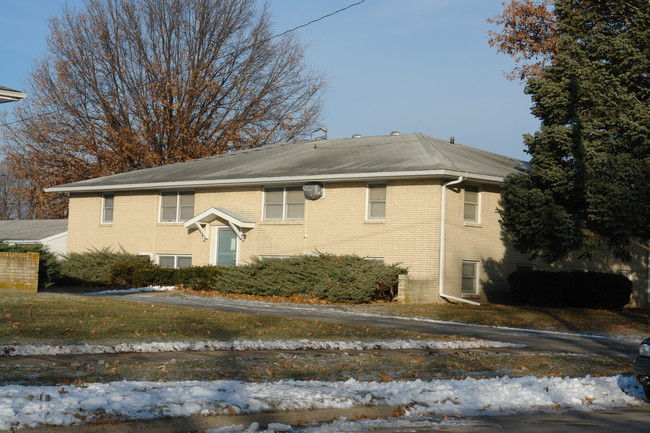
[(535, 341)]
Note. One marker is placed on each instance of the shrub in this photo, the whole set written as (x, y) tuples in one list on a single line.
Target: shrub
[(571, 289), (349, 278), (93, 267), (198, 277), (144, 273), (49, 267)]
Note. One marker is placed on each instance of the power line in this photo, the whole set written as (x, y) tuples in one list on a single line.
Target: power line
[(318, 19), (269, 39)]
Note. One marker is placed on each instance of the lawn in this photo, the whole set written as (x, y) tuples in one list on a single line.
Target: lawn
[(29, 318), (52, 318), (631, 322)]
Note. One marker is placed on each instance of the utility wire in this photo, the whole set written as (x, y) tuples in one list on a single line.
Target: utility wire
[(269, 39), (318, 19)]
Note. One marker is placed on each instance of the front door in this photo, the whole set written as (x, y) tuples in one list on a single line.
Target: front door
[(226, 247)]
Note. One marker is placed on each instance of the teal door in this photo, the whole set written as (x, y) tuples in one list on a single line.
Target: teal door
[(226, 247)]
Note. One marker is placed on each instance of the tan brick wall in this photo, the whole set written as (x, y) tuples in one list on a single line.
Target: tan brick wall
[(19, 271), (335, 223)]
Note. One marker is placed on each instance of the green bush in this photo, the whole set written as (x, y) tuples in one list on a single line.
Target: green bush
[(344, 279), (93, 267), (198, 277), (571, 289), (49, 267)]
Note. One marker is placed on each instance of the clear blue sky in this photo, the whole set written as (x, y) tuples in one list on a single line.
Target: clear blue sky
[(391, 65)]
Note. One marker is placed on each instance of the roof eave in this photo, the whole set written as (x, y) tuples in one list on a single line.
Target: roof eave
[(276, 180)]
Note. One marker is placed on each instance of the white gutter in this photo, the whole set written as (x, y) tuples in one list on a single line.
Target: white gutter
[(443, 236), (274, 180)]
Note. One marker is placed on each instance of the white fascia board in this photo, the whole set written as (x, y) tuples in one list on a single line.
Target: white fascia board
[(54, 237), (277, 180)]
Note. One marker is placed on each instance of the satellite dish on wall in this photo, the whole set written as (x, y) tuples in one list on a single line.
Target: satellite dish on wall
[(313, 191)]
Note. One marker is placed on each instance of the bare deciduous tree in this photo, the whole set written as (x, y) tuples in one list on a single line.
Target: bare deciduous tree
[(141, 83), (12, 204)]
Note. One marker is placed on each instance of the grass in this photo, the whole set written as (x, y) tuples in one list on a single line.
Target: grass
[(632, 322), (30, 318), (364, 366)]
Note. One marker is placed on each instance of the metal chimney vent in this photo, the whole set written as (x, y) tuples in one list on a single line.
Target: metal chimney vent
[(357, 136), (395, 133)]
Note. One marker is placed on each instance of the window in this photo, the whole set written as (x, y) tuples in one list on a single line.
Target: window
[(282, 204), (471, 203), (174, 261), (376, 201), (108, 204), (469, 285), (176, 206)]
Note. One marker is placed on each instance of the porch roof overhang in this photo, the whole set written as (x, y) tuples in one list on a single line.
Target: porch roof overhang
[(236, 222)]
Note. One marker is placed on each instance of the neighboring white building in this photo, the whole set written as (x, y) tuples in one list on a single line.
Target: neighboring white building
[(51, 233), (10, 95)]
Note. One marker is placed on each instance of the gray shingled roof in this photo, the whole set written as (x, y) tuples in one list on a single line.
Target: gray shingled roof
[(31, 230), (387, 156)]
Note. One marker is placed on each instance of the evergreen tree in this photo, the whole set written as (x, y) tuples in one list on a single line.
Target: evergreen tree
[(589, 180)]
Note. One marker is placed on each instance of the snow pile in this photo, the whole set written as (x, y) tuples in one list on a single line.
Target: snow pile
[(148, 289), (36, 406), (207, 345)]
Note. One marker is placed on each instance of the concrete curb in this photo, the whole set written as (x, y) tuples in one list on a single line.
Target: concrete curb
[(197, 423)]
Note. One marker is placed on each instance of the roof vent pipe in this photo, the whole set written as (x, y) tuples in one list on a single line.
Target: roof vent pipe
[(394, 133), (452, 139), (356, 136)]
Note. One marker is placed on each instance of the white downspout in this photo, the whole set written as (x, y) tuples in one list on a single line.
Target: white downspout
[(443, 236)]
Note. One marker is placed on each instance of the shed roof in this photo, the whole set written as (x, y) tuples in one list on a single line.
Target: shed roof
[(404, 155), (31, 230)]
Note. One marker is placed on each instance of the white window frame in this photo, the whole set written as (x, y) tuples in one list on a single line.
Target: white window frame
[(178, 218), (285, 203), (477, 204), (176, 257), (369, 186), (474, 277), (104, 208)]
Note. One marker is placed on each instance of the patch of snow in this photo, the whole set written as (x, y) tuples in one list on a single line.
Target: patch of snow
[(21, 407), (148, 289), (240, 345)]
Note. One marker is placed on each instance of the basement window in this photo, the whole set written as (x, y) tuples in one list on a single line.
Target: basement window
[(469, 284), (174, 261)]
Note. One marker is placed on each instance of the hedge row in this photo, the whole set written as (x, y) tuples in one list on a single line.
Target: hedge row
[(347, 279), (570, 289)]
